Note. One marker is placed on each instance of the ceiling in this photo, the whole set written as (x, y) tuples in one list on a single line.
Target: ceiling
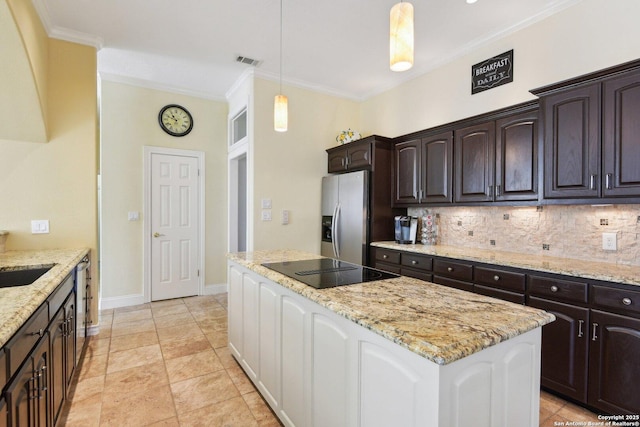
[(338, 47)]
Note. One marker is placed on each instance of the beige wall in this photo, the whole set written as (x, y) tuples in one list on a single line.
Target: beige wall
[(591, 35), (129, 121), (289, 166), (57, 180)]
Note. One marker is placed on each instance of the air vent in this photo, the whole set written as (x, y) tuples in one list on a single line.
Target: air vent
[(248, 61)]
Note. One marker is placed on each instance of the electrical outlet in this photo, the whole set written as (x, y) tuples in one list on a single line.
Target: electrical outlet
[(285, 217), (39, 226), (610, 241)]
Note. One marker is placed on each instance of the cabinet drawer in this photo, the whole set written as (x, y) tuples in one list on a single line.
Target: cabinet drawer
[(417, 274), (452, 283), (391, 268), (453, 270), (558, 289), (421, 262), (57, 297), (27, 336), (499, 294), (618, 299), (387, 255), (496, 278)]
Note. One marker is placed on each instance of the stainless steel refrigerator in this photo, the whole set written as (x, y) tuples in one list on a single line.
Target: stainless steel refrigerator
[(345, 217)]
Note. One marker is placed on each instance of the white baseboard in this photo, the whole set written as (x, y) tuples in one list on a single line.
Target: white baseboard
[(214, 289), (123, 301)]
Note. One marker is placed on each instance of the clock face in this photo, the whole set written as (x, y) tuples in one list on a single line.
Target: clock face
[(175, 120)]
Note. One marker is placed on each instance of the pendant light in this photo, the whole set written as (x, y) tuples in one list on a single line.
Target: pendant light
[(280, 103), (401, 37)]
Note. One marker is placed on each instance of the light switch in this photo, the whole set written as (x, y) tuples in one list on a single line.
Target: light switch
[(266, 203), (266, 214), (39, 226), (285, 217), (133, 216)]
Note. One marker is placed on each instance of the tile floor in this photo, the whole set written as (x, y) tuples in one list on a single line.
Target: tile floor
[(167, 364)]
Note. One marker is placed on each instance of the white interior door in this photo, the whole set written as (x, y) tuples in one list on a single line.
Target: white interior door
[(174, 226)]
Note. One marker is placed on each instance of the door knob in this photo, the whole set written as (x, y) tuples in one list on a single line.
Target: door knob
[(156, 234)]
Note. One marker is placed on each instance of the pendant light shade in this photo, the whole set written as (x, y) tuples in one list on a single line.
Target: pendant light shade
[(280, 113), (401, 37)]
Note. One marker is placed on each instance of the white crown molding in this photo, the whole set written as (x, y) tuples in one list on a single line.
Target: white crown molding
[(64, 33), (246, 74), (266, 75), (148, 84)]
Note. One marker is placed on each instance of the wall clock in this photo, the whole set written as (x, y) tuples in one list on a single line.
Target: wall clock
[(175, 120)]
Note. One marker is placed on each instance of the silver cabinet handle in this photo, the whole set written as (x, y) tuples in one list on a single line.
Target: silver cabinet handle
[(592, 182), (449, 269), (595, 329), (626, 301), (385, 256), (554, 288), (607, 181), (39, 332), (580, 322), (414, 262), (496, 277), (497, 190)]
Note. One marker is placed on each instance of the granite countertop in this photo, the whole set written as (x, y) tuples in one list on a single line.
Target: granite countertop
[(18, 303), (438, 323), (619, 273)]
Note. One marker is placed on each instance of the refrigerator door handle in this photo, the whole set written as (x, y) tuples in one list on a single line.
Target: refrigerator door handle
[(334, 232)]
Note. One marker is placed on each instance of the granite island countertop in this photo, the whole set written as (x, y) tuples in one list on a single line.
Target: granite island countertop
[(619, 273), (438, 323), (18, 303)]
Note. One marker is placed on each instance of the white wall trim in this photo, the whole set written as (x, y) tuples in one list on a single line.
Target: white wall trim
[(150, 84), (121, 301), (216, 288), (146, 253)]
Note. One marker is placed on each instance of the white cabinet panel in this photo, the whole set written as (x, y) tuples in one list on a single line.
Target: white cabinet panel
[(269, 356), (388, 389), (471, 395), (330, 385), (521, 370), (250, 325), (234, 304), (292, 365)]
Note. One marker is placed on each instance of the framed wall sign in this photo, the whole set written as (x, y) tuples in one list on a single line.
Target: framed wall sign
[(492, 72)]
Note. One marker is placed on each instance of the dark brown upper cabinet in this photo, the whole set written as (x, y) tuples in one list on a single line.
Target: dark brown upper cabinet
[(423, 170), (498, 160), (350, 157), (592, 137)]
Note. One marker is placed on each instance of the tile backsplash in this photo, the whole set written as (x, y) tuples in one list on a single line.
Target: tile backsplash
[(565, 231)]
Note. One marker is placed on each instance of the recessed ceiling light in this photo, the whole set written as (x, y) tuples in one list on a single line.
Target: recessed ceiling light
[(471, 1)]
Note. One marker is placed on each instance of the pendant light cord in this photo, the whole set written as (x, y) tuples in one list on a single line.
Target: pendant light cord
[(281, 47)]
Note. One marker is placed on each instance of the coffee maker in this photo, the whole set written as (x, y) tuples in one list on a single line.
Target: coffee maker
[(406, 228)]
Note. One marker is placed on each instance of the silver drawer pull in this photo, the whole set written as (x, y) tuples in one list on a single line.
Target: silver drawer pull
[(449, 269), (414, 262), (554, 288), (626, 301), (496, 277), (595, 330), (39, 333), (385, 256), (580, 322)]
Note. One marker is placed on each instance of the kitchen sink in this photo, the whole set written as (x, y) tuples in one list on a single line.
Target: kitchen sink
[(22, 276)]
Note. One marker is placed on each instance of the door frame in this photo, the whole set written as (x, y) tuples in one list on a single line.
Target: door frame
[(146, 214)]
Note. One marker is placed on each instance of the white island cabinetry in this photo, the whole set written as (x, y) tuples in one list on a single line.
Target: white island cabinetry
[(315, 367)]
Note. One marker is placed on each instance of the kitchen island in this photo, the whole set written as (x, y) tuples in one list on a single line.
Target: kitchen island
[(398, 351)]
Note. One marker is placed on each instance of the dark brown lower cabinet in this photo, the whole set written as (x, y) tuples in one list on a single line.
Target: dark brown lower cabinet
[(28, 394), (614, 363), (564, 348), (4, 415)]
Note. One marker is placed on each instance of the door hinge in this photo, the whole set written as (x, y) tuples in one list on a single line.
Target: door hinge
[(198, 172), (198, 271)]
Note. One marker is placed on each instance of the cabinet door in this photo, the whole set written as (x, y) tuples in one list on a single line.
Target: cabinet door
[(475, 159), (292, 351), (21, 396), (621, 133), (57, 331), (564, 348), (70, 343), (436, 167), (407, 172), (235, 311), (42, 379), (358, 156), (337, 160), (613, 363), (572, 143), (269, 356), (4, 415), (250, 325), (517, 157)]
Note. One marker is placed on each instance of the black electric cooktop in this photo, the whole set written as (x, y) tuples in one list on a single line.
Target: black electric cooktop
[(322, 273)]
